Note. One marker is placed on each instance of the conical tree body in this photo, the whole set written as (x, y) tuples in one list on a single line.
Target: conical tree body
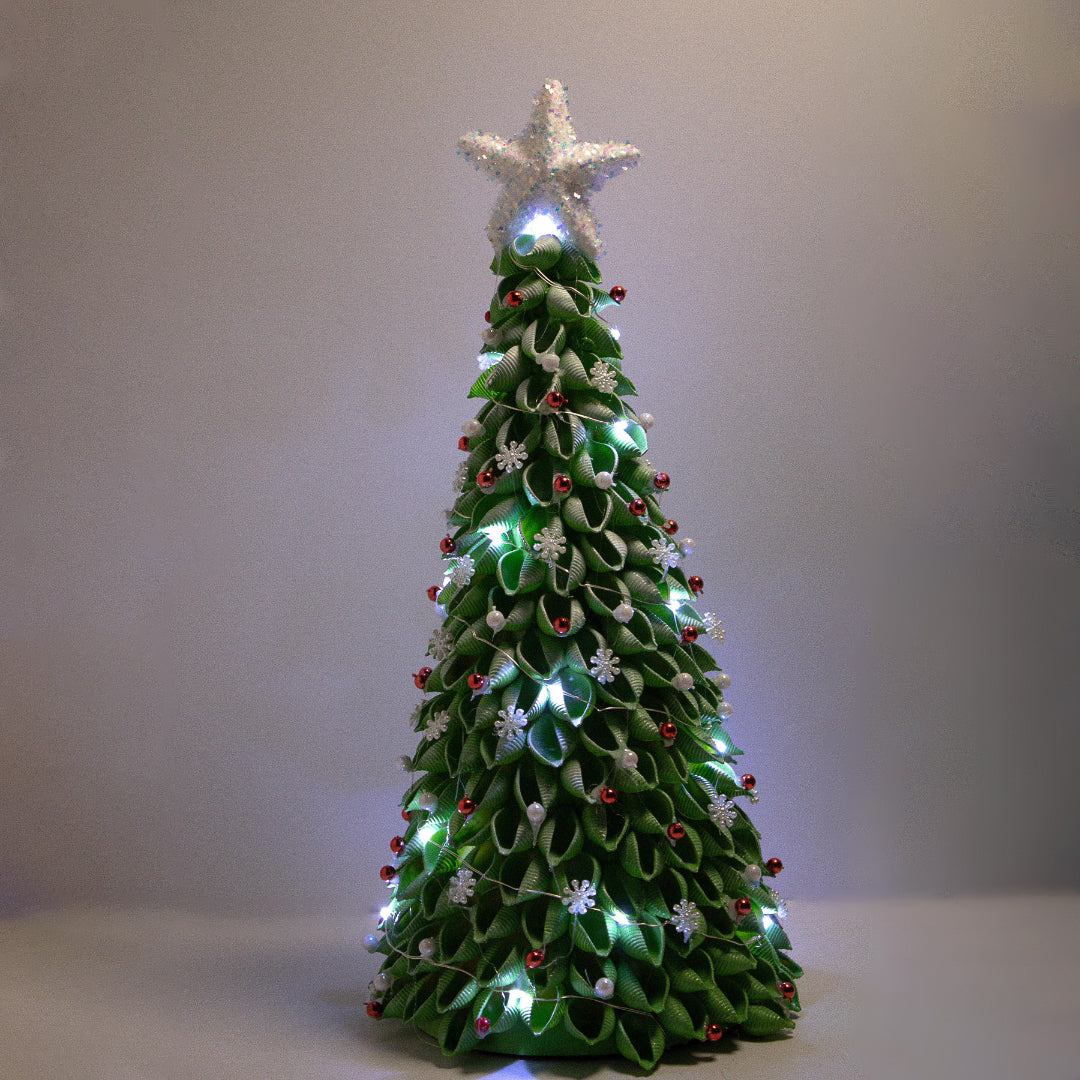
[(578, 874)]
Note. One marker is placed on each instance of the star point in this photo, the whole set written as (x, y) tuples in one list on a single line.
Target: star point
[(546, 169)]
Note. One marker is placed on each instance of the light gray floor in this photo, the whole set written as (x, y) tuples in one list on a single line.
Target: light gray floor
[(917, 989)]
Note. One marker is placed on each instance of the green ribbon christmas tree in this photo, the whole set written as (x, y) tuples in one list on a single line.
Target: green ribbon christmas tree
[(577, 875)]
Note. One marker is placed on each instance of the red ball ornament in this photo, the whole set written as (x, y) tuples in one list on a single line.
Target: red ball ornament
[(617, 293), (374, 1009), (689, 635), (406, 815), (485, 481), (714, 1032), (534, 958), (671, 526), (397, 845), (515, 298), (637, 507), (433, 593), (483, 1026), (787, 990), (748, 782), (608, 795), (668, 729), (696, 583), (388, 873), (561, 625), (743, 906), (487, 316), (421, 677), (555, 399), (466, 805), (676, 830), (463, 443), (661, 481), (562, 483), (774, 866), (477, 682), (448, 545)]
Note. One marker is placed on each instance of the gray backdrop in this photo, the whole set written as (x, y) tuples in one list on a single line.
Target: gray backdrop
[(243, 276)]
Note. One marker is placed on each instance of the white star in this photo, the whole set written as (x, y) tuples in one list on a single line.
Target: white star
[(546, 170)]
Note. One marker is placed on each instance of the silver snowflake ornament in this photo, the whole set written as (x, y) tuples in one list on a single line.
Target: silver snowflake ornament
[(549, 545), (510, 722), (461, 886), (463, 570), (604, 377), (713, 626), (779, 905), (487, 360), (441, 641), (605, 665), (461, 475), (687, 920), (722, 812), (579, 897), (436, 725), (664, 554), (511, 457)]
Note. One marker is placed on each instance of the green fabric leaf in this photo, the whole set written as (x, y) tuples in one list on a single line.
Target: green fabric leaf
[(456, 989), (563, 434), (592, 1021), (762, 1020), (587, 511), (577, 696), (592, 932), (564, 305), (546, 1010), (676, 1019), (560, 838), (547, 740), (519, 572), (572, 374), (640, 1039), (641, 588)]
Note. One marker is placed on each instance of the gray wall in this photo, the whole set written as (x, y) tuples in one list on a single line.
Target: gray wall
[(243, 274)]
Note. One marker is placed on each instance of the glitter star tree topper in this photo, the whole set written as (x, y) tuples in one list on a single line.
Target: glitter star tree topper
[(545, 170), (576, 873)]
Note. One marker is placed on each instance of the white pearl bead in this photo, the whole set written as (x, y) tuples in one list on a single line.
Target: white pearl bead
[(535, 813), (604, 988), (683, 681), (371, 942), (623, 613), (490, 336), (381, 981), (628, 759), (427, 948), (495, 619), (603, 480), (472, 427), (647, 420), (722, 679), (725, 708), (404, 763), (752, 874), (427, 801), (687, 546), (549, 362)]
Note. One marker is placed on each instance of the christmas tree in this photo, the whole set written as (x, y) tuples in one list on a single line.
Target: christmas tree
[(577, 874)]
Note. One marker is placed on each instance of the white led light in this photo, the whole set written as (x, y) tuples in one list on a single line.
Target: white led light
[(619, 427), (555, 694), (519, 999), (541, 224), (614, 332), (495, 533), (621, 917), (386, 912)]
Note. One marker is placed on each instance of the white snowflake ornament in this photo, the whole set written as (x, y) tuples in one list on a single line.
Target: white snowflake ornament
[(663, 554), (722, 812), (688, 920), (441, 641), (714, 627), (463, 570), (436, 726), (549, 545), (461, 886), (511, 457), (604, 377), (510, 722), (461, 476), (578, 898), (605, 666)]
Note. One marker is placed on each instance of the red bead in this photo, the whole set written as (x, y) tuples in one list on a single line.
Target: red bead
[(787, 989), (374, 1009), (743, 906), (689, 634), (618, 294), (448, 545), (714, 1032), (562, 483), (561, 625), (421, 677), (433, 593), (466, 805), (463, 443), (671, 526), (661, 481), (668, 729), (608, 795), (748, 782), (477, 682), (515, 298), (483, 1026), (676, 831), (485, 481), (534, 958), (774, 866), (555, 399), (388, 873), (637, 507), (696, 583), (487, 316), (406, 815), (397, 845)]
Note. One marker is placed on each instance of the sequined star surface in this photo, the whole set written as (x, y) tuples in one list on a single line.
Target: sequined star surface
[(545, 170)]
